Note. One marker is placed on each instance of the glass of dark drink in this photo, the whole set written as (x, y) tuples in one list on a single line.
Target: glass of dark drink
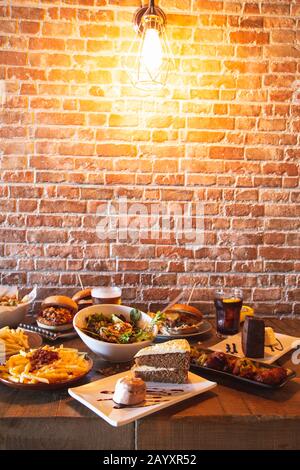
[(228, 303)]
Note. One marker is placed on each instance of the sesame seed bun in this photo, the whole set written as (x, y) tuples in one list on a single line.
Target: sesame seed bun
[(188, 309), (60, 301), (84, 294)]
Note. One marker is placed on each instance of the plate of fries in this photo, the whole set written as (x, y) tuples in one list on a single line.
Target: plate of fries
[(45, 368), (12, 341)]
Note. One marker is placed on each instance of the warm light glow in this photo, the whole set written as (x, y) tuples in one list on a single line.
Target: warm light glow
[(149, 59), (152, 53)]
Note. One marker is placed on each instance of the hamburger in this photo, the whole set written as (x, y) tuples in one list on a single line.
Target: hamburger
[(57, 313), (83, 298), (182, 319)]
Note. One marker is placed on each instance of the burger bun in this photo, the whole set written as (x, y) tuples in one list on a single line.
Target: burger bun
[(186, 309), (46, 326), (182, 319), (60, 301), (84, 294)]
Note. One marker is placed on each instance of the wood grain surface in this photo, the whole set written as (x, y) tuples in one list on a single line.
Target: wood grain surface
[(236, 417)]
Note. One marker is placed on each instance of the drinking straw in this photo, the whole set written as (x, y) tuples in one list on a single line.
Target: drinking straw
[(172, 302), (192, 292), (80, 281)]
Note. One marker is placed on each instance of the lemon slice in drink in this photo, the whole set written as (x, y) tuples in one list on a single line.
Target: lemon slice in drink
[(231, 300), (246, 311)]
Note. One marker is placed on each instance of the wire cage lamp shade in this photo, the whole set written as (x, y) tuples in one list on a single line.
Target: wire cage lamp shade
[(149, 59)]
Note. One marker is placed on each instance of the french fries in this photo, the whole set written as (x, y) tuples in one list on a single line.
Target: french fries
[(9, 301), (21, 367), (14, 340)]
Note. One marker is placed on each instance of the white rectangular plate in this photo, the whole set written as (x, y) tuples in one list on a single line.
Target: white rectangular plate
[(97, 396), (233, 345)]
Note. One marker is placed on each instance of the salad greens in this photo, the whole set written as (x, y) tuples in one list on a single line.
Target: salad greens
[(116, 329), (158, 317)]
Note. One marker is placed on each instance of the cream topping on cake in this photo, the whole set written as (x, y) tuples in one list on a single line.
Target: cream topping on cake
[(175, 346), (151, 368)]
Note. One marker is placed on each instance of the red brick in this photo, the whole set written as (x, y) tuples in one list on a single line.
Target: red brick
[(97, 119), (100, 76), (114, 150), (245, 37), (242, 167), (67, 119), (44, 103), (26, 192), (279, 253), (267, 294), (68, 13), (92, 193), (258, 153), (46, 43), (69, 75), (117, 178), (25, 73), (133, 265), (8, 26), (84, 149), (229, 153), (54, 132), (282, 51), (12, 235), (283, 36), (28, 13), (94, 45), (275, 9), (289, 169), (251, 82), (117, 120), (199, 136), (62, 206), (97, 31), (12, 58), (46, 162), (196, 166), (252, 21), (74, 44), (294, 295), (211, 123), (46, 236), (57, 29)]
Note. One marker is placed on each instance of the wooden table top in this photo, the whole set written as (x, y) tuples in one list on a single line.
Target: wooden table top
[(224, 418)]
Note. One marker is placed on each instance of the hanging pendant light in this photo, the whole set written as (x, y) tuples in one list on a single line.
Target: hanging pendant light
[(149, 59)]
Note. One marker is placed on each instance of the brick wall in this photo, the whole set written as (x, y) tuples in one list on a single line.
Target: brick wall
[(74, 133)]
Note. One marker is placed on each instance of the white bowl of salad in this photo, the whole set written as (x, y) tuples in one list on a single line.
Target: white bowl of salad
[(115, 332)]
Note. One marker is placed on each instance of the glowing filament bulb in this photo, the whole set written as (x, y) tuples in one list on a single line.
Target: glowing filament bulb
[(152, 53)]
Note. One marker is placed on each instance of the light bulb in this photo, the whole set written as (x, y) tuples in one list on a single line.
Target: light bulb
[(149, 59), (152, 52)]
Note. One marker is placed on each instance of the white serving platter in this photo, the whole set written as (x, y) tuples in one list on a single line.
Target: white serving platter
[(97, 396), (233, 345)]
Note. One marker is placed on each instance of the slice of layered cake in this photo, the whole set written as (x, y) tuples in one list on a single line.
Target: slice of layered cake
[(166, 362)]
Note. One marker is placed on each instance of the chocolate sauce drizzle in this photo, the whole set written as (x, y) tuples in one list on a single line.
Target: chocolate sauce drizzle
[(156, 396), (277, 347)]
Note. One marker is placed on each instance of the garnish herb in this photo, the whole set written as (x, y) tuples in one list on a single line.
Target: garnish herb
[(135, 316), (159, 316)]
